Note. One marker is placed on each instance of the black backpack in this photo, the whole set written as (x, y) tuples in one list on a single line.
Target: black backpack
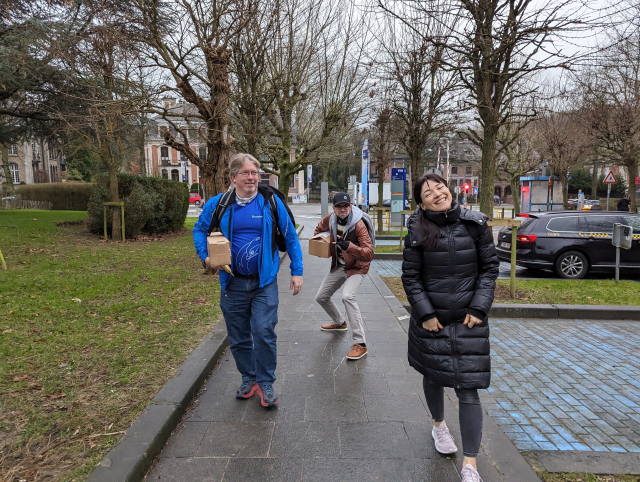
[(269, 193)]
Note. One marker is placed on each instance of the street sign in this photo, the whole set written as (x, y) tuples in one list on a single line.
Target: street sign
[(475, 190), (610, 178), (637, 180)]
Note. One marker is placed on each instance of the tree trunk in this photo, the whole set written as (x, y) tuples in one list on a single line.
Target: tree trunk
[(8, 180), (488, 172), (143, 162), (219, 127), (116, 226), (284, 179), (632, 169), (594, 182), (515, 190), (562, 178), (380, 200), (415, 174)]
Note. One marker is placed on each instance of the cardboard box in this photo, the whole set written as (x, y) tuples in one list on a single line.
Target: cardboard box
[(320, 245), (219, 249)]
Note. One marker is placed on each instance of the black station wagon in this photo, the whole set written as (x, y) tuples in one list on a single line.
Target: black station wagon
[(571, 243)]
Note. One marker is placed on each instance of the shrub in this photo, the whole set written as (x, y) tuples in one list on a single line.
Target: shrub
[(151, 205), (64, 196)]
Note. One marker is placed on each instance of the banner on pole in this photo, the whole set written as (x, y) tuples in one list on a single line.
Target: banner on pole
[(309, 174), (364, 196)]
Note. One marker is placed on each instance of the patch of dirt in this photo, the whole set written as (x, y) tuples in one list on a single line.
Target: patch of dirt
[(504, 293)]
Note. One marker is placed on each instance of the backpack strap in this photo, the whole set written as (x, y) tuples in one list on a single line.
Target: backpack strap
[(223, 203)]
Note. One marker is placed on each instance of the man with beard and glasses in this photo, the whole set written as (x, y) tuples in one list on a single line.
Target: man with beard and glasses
[(353, 240)]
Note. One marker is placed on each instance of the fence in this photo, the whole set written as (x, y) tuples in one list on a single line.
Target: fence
[(21, 204)]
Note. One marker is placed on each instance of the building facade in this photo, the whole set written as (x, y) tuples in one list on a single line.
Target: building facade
[(34, 161)]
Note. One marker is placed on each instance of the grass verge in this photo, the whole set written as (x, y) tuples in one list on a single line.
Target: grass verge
[(596, 292), (582, 477), (89, 331), (395, 248)]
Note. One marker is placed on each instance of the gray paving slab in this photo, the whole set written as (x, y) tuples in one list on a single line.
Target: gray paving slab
[(337, 419)]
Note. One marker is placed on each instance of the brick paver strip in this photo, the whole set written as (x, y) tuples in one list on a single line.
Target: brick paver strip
[(365, 420)]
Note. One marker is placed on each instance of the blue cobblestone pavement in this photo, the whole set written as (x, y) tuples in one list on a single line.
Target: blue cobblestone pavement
[(566, 385)]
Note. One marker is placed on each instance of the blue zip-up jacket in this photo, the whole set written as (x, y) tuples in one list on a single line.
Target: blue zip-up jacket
[(269, 265)]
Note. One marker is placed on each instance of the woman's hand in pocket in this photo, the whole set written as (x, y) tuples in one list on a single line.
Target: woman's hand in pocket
[(471, 321), (432, 325)]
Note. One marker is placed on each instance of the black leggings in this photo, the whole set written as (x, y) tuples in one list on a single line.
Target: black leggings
[(470, 414)]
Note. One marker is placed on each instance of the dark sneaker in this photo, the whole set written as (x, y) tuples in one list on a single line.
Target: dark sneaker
[(267, 397), (332, 327), (247, 389)]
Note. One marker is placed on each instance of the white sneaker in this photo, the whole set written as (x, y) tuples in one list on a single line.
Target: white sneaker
[(469, 474), (443, 440)]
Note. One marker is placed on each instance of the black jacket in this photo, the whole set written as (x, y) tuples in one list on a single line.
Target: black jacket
[(623, 205), (455, 278)]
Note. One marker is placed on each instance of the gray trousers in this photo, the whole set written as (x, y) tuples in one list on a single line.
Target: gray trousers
[(332, 282)]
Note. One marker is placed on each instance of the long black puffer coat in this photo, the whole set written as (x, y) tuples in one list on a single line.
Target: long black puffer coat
[(455, 278)]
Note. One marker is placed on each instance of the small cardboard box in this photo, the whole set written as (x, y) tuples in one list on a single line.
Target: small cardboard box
[(320, 245), (219, 249)]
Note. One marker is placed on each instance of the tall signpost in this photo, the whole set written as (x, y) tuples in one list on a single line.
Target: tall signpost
[(398, 194), (364, 197), (609, 180)]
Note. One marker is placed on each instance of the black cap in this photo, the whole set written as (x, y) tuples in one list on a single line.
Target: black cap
[(341, 197)]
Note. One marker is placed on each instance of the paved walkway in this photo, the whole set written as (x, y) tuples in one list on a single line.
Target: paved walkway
[(566, 384), (337, 419)]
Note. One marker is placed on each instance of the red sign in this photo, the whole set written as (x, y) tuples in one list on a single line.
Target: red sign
[(610, 178), (637, 180), (550, 182)]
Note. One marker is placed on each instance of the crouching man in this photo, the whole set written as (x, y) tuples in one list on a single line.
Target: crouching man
[(353, 240)]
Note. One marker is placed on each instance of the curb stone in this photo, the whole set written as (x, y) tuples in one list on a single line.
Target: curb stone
[(138, 448), (565, 312), (555, 461)]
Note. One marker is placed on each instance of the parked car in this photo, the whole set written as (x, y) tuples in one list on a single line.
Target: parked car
[(573, 202), (591, 205), (194, 198), (571, 243)]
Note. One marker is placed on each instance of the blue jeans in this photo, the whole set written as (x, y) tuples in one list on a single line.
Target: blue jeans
[(251, 315)]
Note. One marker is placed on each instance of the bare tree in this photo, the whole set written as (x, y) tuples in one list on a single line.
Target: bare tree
[(517, 156), (191, 42), (317, 76), (501, 43), (611, 97), (562, 138), (424, 88), (382, 141)]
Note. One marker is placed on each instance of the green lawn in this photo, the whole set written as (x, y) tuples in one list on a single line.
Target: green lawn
[(596, 292), (89, 331), (394, 248)]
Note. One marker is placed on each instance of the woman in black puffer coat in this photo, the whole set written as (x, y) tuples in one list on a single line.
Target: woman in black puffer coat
[(449, 271)]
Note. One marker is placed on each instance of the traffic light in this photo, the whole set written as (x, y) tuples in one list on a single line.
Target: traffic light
[(466, 188)]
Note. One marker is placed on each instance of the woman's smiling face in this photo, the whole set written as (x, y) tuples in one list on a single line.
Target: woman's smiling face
[(435, 196)]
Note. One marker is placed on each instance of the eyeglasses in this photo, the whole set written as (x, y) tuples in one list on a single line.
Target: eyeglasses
[(342, 206), (248, 173)]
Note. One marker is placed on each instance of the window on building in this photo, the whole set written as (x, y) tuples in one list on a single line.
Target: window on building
[(475, 183), (467, 170), (202, 153), (454, 170), (507, 191), (182, 156), (292, 182), (164, 153), (53, 155), (13, 150), (165, 174), (467, 152), (15, 172), (175, 175)]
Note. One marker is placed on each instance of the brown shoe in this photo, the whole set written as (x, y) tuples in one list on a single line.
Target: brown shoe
[(332, 327), (357, 352)]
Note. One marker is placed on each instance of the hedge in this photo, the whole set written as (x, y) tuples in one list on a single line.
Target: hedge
[(152, 205), (64, 196)]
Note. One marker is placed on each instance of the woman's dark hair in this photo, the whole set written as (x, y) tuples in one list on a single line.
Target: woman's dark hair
[(428, 231)]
